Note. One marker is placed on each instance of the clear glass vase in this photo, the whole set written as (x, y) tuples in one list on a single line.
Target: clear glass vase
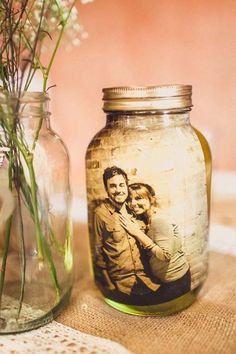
[(35, 226)]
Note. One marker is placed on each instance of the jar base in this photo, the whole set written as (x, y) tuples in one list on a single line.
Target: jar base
[(166, 308), (33, 318)]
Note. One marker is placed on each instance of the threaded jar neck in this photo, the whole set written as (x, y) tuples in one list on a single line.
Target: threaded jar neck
[(24, 105), (147, 120)]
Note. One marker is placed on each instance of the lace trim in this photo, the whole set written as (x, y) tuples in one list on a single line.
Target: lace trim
[(58, 339)]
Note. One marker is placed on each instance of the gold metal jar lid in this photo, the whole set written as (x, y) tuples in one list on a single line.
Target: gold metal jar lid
[(142, 98)]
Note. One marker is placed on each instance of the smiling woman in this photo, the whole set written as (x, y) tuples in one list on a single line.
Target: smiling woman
[(142, 198), (167, 259)]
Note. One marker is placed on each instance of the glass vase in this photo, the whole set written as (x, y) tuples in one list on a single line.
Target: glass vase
[(35, 226)]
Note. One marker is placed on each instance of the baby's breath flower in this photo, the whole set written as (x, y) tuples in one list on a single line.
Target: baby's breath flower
[(36, 20)]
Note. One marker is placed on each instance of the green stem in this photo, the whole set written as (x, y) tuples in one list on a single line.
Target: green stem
[(37, 133), (38, 64), (7, 235), (30, 80), (46, 75), (39, 237), (42, 245), (34, 49), (17, 182), (54, 242), (68, 259), (4, 258), (23, 257), (26, 194), (28, 157), (52, 269)]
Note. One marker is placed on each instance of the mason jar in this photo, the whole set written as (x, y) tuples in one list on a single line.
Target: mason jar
[(148, 191), (35, 225)]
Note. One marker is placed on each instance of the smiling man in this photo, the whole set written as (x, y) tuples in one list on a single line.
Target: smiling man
[(119, 264)]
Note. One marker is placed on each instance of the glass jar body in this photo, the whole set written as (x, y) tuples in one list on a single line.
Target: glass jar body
[(148, 187), (36, 250)]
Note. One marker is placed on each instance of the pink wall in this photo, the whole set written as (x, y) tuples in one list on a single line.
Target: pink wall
[(148, 42)]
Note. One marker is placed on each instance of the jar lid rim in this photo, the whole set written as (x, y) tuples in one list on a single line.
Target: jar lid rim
[(147, 91), (147, 97)]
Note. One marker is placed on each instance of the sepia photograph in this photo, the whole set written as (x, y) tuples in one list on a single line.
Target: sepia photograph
[(143, 241)]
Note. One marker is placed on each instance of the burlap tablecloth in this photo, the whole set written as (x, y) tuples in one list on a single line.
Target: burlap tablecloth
[(208, 326)]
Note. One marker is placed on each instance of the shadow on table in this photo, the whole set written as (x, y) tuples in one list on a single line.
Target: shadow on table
[(81, 252)]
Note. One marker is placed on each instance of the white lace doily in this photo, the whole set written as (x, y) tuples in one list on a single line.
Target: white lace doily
[(58, 339)]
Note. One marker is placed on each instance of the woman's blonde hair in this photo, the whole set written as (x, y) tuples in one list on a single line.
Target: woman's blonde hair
[(144, 190)]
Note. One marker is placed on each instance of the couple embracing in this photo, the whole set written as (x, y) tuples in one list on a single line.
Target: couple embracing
[(138, 256)]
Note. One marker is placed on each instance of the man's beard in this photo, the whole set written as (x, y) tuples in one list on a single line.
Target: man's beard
[(118, 203)]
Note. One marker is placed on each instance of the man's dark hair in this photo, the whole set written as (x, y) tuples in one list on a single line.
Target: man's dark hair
[(109, 172)]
